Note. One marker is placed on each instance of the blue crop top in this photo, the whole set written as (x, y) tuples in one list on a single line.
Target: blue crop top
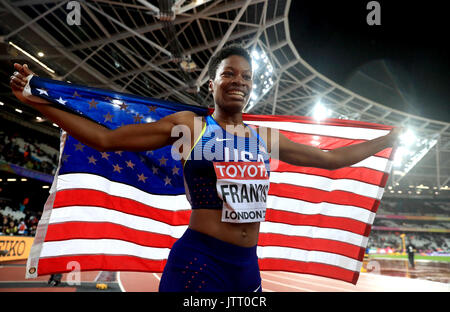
[(217, 145)]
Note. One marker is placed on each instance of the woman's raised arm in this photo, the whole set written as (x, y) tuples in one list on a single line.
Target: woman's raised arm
[(139, 137)]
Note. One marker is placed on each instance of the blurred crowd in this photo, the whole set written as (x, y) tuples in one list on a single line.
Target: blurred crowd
[(17, 223), (27, 152), (425, 242)]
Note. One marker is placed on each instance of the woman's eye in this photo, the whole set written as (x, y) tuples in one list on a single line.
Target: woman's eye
[(227, 73), (247, 77)]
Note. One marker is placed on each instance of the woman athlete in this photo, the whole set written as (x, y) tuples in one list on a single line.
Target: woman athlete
[(218, 250)]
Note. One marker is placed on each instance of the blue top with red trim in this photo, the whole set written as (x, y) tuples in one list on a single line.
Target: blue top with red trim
[(215, 144)]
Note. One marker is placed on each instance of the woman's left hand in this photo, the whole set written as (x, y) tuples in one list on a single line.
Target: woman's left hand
[(394, 135)]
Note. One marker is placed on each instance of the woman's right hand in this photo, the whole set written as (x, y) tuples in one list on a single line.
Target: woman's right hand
[(18, 81)]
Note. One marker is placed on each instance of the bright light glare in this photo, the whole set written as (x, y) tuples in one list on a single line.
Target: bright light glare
[(32, 57), (408, 138), (320, 112), (262, 77)]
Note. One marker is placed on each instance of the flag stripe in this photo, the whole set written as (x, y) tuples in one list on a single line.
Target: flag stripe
[(358, 174), (328, 143), (100, 215), (327, 184), (311, 120), (104, 230), (95, 182), (327, 209), (308, 256), (320, 269), (317, 196), (97, 214), (324, 130), (99, 262), (309, 243), (318, 220), (313, 232), (102, 247), (87, 197), (79, 247)]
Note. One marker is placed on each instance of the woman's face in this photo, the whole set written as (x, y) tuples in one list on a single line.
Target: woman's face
[(233, 83)]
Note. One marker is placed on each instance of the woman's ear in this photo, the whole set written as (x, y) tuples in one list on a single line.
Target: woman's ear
[(210, 86)]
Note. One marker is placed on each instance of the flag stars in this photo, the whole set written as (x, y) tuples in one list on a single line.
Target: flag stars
[(137, 118), (167, 181), (42, 91), (61, 101), (92, 160), (152, 108), (105, 155), (93, 104), (75, 94), (119, 152), (65, 158), (141, 177), (155, 170), (130, 164), (175, 170), (117, 168), (123, 106), (108, 117), (79, 147), (162, 161)]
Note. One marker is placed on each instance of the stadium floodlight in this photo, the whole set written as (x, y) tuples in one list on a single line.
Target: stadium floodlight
[(412, 148), (262, 77), (320, 111), (32, 57)]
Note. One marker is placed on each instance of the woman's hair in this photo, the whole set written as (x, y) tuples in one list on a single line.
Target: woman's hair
[(233, 49)]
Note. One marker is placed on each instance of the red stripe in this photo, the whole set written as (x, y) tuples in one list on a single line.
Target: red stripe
[(85, 197), (359, 174), (310, 120), (318, 196), (317, 220), (98, 263), (328, 142), (270, 264), (308, 243), (105, 230)]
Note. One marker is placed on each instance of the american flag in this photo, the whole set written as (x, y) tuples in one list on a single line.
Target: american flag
[(122, 211)]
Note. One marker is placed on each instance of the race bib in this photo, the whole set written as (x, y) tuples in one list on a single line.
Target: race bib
[(243, 187)]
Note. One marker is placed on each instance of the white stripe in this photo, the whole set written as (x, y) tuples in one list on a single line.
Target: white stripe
[(314, 232), (97, 214), (277, 252), (326, 209), (355, 133), (327, 184), (375, 163), (102, 247), (95, 182)]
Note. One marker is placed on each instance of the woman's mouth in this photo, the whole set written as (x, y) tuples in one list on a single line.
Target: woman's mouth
[(237, 94)]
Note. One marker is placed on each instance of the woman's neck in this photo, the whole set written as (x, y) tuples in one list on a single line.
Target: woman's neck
[(226, 118)]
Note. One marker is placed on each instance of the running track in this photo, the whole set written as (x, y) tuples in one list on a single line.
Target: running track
[(12, 280)]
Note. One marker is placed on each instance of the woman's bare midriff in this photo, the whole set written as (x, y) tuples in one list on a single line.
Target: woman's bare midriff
[(208, 221)]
